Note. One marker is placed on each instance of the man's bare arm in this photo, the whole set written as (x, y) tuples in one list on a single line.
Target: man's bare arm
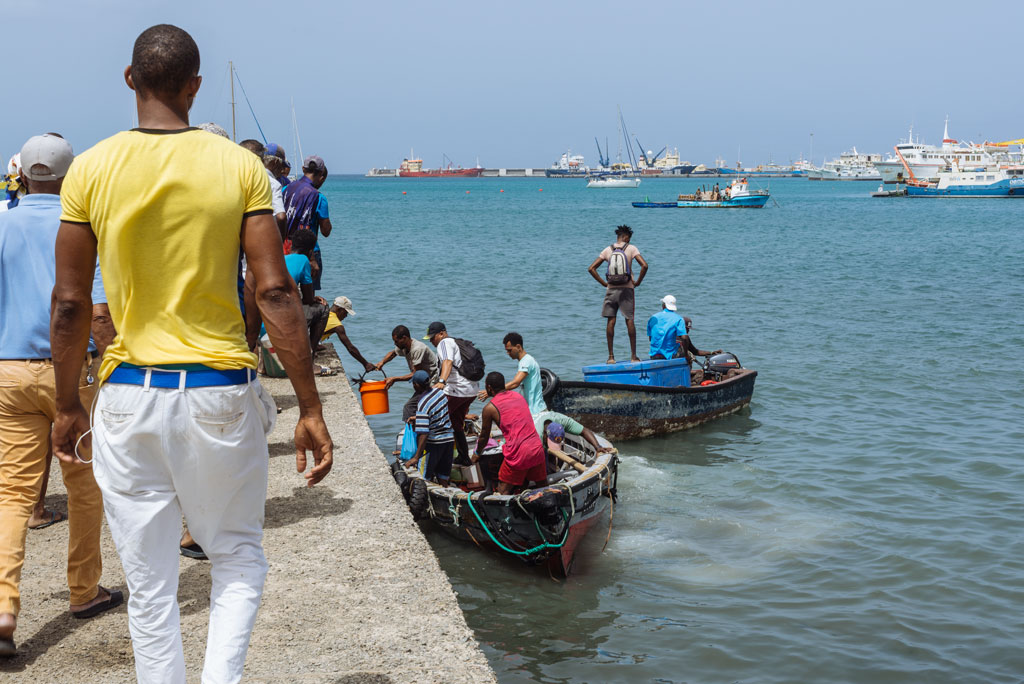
[(643, 270), (326, 227), (70, 320), (103, 332), (593, 271), (278, 301)]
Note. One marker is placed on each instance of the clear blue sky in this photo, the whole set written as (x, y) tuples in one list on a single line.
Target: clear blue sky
[(516, 84)]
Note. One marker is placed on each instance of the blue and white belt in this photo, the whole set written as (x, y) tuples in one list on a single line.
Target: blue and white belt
[(179, 378)]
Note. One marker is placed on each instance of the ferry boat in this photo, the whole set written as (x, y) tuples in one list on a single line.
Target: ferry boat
[(851, 166), (613, 181), (926, 161), (569, 165), (1003, 181), (413, 168)]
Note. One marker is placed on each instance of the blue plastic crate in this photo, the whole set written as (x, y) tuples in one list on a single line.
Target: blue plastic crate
[(660, 373)]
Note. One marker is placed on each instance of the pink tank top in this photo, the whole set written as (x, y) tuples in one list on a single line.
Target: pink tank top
[(523, 449)]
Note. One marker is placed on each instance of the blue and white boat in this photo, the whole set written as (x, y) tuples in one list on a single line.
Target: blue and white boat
[(1003, 181), (737, 195)]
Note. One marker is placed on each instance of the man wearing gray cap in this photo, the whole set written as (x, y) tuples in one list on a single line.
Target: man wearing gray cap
[(305, 208), (27, 389)]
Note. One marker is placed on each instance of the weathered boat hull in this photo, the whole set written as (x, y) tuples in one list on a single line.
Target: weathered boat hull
[(495, 520), (750, 202), (633, 411)]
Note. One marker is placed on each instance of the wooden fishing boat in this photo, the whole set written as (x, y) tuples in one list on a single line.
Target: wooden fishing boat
[(620, 410), (543, 525)]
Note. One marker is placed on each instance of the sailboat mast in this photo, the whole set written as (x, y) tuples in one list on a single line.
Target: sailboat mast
[(296, 140), (231, 75)]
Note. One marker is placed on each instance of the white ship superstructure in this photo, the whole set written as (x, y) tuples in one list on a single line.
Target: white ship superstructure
[(926, 161), (851, 165)]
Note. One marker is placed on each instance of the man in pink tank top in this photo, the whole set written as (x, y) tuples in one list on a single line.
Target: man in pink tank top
[(524, 460)]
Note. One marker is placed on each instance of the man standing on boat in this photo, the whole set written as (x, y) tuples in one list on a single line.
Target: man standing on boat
[(180, 419), (305, 208), (620, 286), (461, 390), (524, 458)]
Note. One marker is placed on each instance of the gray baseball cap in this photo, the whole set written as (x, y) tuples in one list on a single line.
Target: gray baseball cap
[(314, 163), (46, 157)]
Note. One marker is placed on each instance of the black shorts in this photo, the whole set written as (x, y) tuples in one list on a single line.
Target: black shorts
[(440, 457)]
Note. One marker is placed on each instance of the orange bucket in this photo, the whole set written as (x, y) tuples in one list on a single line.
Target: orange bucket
[(375, 397)]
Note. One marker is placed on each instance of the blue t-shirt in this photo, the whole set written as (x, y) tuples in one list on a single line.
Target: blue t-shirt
[(298, 268), (530, 387), (663, 328), (28, 271)]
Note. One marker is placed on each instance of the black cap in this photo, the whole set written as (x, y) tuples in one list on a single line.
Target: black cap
[(434, 328)]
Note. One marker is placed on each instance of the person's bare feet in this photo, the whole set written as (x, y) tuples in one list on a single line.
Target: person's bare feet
[(41, 518), (186, 539), (611, 359), (635, 359)]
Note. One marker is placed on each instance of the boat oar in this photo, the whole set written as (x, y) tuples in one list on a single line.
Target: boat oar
[(566, 458)]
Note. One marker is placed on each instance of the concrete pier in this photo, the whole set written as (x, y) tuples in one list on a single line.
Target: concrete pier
[(354, 593)]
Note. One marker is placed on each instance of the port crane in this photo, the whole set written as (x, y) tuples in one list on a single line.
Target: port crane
[(604, 160), (649, 160)]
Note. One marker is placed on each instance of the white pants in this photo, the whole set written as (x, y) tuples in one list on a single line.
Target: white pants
[(159, 453)]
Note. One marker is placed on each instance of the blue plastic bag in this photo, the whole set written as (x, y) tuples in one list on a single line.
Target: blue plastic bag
[(409, 440)]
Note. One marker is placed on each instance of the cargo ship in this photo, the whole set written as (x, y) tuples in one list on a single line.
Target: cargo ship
[(413, 168)]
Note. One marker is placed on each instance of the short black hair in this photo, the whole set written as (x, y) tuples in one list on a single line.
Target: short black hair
[(400, 331), (495, 381), (254, 146), (624, 230), (513, 338), (164, 59), (303, 241)]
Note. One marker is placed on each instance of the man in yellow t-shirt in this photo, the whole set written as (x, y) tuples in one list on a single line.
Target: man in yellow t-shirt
[(180, 421)]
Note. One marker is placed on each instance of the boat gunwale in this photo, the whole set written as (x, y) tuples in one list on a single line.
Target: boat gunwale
[(654, 389)]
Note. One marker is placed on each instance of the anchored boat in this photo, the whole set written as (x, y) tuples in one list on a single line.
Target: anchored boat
[(737, 195), (634, 400), (543, 525)]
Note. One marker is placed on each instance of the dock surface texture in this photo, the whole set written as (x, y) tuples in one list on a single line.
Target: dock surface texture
[(354, 593)]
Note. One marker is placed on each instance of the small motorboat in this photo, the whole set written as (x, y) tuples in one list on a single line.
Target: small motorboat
[(634, 400), (543, 524), (737, 195)]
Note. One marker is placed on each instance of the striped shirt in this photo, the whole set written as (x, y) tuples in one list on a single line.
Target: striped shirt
[(432, 417)]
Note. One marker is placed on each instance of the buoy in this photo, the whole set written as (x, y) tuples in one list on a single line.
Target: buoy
[(403, 192), (501, 191), (707, 382), (540, 189), (467, 192)]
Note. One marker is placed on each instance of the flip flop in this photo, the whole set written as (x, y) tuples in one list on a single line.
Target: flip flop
[(113, 601), (55, 517), (193, 551), (7, 648)]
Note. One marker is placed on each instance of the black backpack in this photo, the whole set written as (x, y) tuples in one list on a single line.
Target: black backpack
[(472, 367)]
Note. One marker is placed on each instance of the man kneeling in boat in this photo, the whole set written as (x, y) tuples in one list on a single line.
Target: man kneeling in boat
[(524, 457)]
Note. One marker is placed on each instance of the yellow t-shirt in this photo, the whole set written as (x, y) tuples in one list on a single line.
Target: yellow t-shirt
[(167, 210), (332, 322)]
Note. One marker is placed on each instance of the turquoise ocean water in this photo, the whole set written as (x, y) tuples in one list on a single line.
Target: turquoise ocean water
[(860, 522)]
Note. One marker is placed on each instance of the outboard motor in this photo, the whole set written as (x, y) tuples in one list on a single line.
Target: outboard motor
[(715, 367)]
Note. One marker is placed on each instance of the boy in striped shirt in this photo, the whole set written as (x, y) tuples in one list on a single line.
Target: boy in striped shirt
[(435, 437)]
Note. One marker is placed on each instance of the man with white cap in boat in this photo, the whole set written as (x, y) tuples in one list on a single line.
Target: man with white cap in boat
[(670, 333)]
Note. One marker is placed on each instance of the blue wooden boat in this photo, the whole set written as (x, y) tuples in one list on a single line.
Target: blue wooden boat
[(647, 204), (627, 410), (737, 195)]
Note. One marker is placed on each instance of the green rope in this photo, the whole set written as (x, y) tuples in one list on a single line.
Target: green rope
[(494, 539)]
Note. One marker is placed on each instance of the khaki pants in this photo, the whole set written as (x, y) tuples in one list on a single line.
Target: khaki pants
[(27, 409)]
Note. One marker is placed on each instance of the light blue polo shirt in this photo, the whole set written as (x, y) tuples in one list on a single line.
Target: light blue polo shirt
[(663, 328), (28, 271)]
